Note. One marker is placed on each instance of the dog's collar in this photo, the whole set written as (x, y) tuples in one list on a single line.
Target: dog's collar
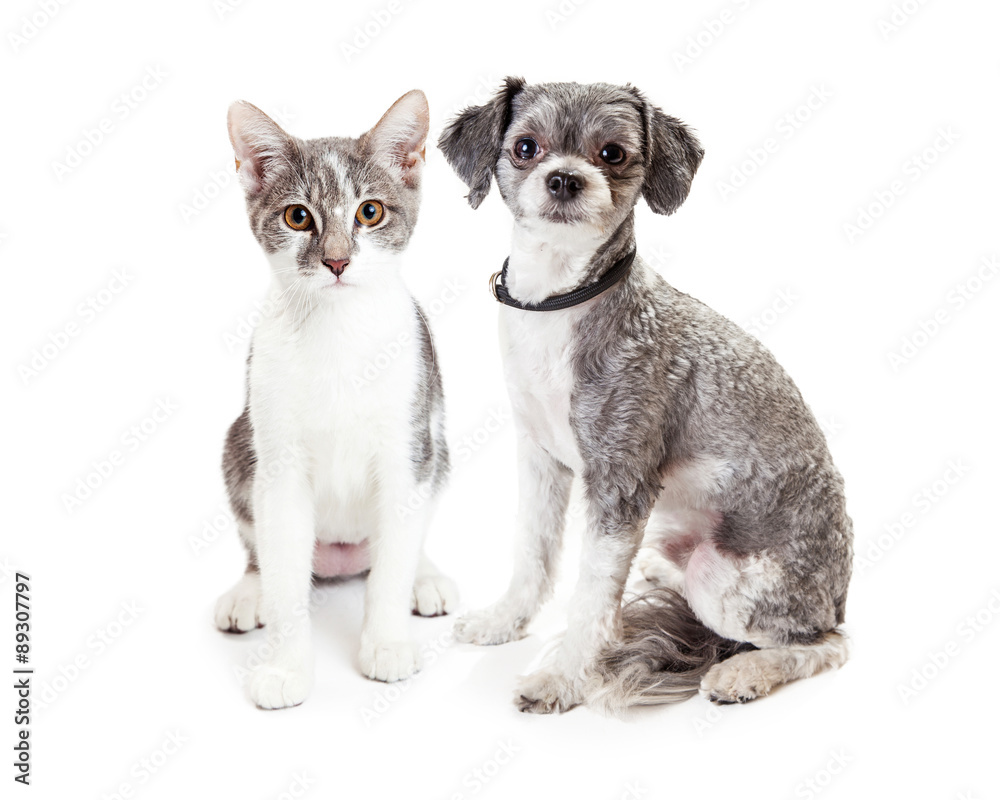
[(498, 285)]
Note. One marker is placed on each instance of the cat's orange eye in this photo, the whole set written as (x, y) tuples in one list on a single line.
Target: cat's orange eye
[(370, 213), (298, 218)]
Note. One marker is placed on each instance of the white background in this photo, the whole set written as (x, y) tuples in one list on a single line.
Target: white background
[(192, 279)]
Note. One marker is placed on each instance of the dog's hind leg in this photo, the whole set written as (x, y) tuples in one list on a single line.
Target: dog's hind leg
[(658, 569), (746, 676), (754, 599)]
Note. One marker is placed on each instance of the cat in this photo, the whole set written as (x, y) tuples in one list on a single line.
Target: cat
[(344, 417)]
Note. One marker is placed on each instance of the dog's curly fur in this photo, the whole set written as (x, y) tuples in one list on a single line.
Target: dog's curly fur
[(683, 428)]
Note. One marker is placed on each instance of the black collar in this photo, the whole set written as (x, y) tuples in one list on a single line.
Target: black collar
[(559, 301)]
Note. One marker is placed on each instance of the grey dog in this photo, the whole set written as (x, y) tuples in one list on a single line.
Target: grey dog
[(690, 440)]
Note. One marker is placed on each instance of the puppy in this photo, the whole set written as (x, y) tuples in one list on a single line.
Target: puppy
[(688, 436)]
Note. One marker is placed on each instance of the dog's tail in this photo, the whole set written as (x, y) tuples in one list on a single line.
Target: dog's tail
[(663, 655)]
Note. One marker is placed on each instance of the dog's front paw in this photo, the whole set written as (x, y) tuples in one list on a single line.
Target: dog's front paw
[(490, 626), (273, 686), (433, 596), (545, 692), (389, 661), (739, 679)]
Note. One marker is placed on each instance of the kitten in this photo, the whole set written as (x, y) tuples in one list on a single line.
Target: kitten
[(344, 420)]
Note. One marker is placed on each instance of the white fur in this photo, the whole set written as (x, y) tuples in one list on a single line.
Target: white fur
[(256, 138), (239, 608), (433, 593), (548, 258), (341, 439), (592, 204), (400, 136), (535, 346), (721, 589), (659, 571), (336, 359), (545, 259)]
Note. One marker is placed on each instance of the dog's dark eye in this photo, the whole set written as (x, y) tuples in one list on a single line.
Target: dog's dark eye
[(526, 149), (612, 154), (298, 218)]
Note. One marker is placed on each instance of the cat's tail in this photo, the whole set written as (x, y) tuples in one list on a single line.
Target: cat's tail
[(663, 655)]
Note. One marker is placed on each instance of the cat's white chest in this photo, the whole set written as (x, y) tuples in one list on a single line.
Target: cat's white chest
[(538, 365), (340, 388)]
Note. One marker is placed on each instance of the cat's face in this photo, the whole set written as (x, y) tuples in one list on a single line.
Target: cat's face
[(332, 214)]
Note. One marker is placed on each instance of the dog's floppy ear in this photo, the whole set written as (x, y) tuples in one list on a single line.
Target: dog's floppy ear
[(471, 142), (673, 154)]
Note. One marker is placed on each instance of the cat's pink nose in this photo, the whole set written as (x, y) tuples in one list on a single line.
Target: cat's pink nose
[(336, 267)]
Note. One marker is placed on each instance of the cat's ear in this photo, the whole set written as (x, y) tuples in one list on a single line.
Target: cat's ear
[(471, 143), (398, 141), (260, 144)]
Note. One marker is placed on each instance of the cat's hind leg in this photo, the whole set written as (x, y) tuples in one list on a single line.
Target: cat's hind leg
[(238, 610), (434, 594)]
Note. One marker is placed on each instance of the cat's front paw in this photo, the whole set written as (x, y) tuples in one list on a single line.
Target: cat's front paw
[(272, 686), (490, 626), (433, 596), (389, 661), (545, 692), (238, 610)]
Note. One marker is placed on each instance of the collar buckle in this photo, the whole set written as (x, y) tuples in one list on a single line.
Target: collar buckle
[(493, 284)]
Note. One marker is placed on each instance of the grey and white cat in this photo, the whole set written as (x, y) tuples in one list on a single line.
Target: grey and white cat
[(322, 464)]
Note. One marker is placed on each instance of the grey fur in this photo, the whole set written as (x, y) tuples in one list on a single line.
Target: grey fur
[(301, 171), (706, 388), (238, 465), (429, 451), (303, 175), (485, 126), (664, 654), (574, 118), (661, 381)]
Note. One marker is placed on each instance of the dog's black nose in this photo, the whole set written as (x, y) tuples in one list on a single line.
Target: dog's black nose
[(565, 185)]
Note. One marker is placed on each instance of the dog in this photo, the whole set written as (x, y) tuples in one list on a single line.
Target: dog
[(690, 440)]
